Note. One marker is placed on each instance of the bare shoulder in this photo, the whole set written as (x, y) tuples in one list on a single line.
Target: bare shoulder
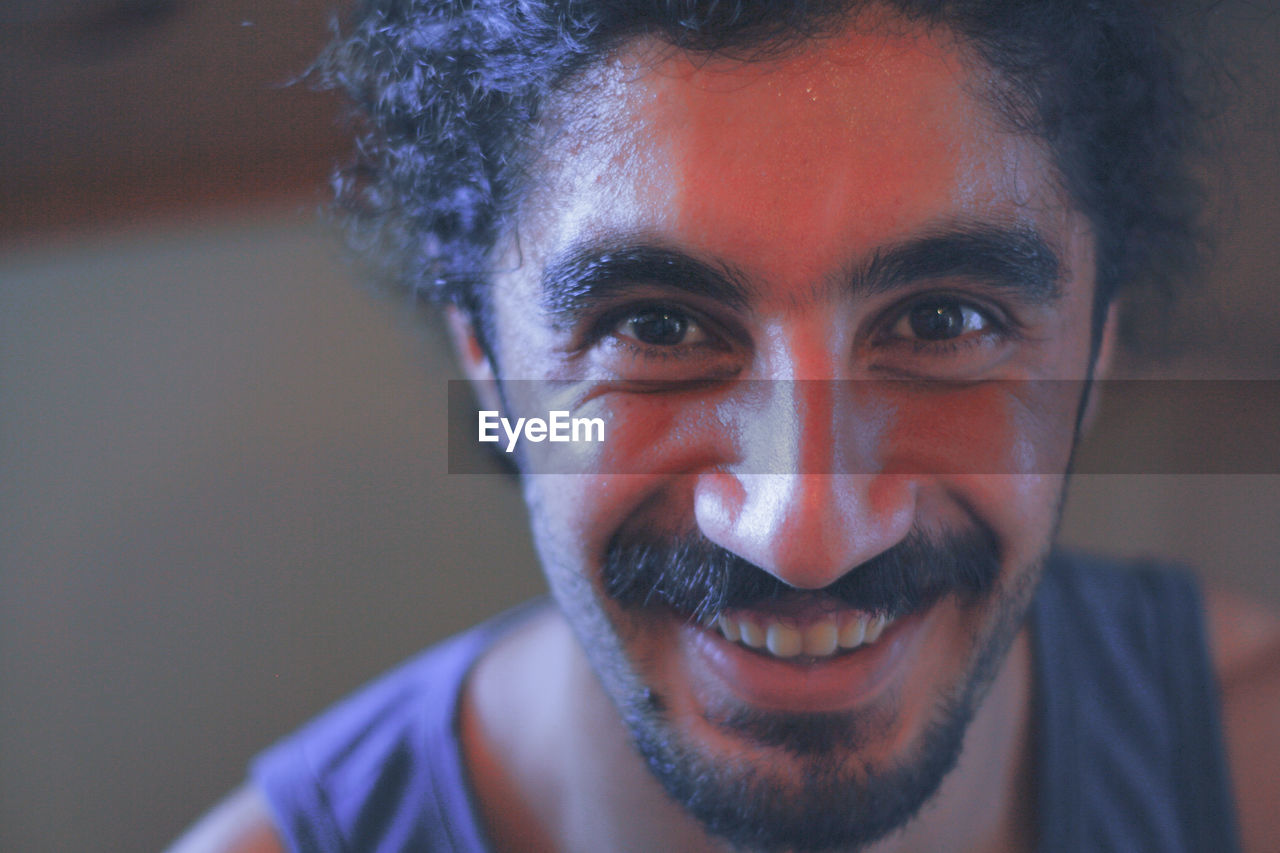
[(239, 824), (1245, 643)]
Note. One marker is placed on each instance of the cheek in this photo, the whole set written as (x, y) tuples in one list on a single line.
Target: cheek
[(997, 453), (925, 431), (1021, 509), (633, 481), (1022, 427)]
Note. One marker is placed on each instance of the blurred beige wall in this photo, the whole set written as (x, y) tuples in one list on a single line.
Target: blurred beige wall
[(223, 504)]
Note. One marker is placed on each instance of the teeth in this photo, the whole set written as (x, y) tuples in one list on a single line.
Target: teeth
[(852, 632), (782, 641), (820, 639), (752, 634)]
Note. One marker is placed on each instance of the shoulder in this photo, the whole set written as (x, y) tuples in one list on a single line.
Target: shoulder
[(386, 754), (1244, 642), (311, 789), (239, 824)]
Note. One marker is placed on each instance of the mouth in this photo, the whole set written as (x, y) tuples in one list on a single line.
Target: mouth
[(792, 639), (803, 654)]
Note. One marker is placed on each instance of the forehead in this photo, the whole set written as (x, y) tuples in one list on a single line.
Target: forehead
[(790, 168)]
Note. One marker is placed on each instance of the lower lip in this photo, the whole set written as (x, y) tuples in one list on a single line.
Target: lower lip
[(842, 682)]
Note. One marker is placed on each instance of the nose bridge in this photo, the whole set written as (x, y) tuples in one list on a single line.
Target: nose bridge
[(805, 500), (805, 374), (796, 429)]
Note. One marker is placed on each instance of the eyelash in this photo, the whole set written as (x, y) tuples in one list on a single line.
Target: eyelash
[(608, 326), (655, 353), (999, 325)]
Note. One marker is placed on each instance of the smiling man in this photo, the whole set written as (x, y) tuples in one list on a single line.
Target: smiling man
[(837, 279)]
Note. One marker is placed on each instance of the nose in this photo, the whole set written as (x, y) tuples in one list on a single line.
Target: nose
[(803, 498)]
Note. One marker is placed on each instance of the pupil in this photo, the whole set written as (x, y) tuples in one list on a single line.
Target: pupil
[(936, 321), (659, 327)]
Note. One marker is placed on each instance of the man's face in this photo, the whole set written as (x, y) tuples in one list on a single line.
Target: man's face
[(812, 299)]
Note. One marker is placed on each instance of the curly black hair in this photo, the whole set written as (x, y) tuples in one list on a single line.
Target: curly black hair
[(449, 92)]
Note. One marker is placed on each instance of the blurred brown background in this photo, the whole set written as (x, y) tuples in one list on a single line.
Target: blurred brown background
[(223, 499)]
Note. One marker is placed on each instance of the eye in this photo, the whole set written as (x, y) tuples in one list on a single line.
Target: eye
[(941, 319), (661, 326), (660, 341)]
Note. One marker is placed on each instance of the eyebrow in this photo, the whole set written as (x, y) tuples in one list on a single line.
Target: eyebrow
[(1015, 259), (593, 274)]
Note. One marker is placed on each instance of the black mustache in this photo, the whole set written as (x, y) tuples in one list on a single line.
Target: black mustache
[(699, 579)]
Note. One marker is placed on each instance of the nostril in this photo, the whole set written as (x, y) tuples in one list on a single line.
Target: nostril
[(807, 530)]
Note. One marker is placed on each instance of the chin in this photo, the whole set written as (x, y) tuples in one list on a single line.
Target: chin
[(837, 772)]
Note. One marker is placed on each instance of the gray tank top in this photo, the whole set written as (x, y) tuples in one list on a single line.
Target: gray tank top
[(1130, 751)]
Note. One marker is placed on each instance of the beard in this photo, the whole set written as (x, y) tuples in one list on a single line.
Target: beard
[(816, 793)]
